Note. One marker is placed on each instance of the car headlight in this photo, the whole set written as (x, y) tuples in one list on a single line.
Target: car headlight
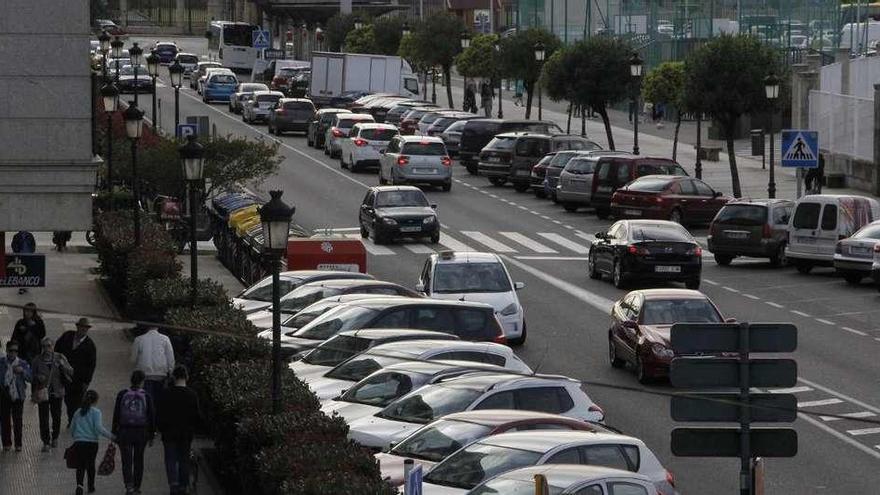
[(661, 350), (389, 221), (509, 310), (428, 220)]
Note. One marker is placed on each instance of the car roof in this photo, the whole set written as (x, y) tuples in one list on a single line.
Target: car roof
[(501, 380), (518, 134), (332, 110), (666, 293), (316, 273), (295, 100), (761, 202), (379, 304), (565, 475), (546, 440), (419, 347), (664, 177), (385, 333), (184, 54), (376, 125), (356, 116), (465, 257), (379, 189), (420, 139), (439, 366), (268, 93), (497, 417), (343, 283)]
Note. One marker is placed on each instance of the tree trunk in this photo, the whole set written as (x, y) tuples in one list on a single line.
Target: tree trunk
[(734, 172), (568, 127), (604, 114), (584, 121), (447, 76), (528, 102), (426, 85), (675, 137)]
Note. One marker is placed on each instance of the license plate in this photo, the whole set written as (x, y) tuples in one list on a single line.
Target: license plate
[(667, 269), (493, 159), (633, 212), (736, 235), (523, 172), (859, 250), (410, 229), (425, 171), (807, 240)]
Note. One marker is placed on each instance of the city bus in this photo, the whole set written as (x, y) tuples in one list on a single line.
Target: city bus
[(231, 44)]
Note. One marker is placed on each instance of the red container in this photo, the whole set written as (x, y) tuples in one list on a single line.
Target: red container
[(326, 253)]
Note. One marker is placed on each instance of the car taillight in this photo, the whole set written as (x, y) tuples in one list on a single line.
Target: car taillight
[(281, 111), (360, 142), (635, 250), (766, 233), (402, 160), (446, 161), (696, 251), (336, 132), (670, 478)]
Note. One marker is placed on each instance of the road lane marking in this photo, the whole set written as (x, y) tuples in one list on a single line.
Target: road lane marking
[(820, 320), (562, 241), (863, 431), (731, 289), (845, 397), (754, 298), (710, 282), (454, 244), (552, 258), (775, 305), (587, 237), (819, 403), (840, 436), (488, 241), (373, 249), (521, 207), (529, 243), (791, 390), (419, 248), (600, 303), (853, 415), (800, 313)]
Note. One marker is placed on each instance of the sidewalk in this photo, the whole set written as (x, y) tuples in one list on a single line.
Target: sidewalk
[(73, 291)]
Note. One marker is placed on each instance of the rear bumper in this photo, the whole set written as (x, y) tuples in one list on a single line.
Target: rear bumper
[(647, 270), (622, 211), (292, 126), (393, 231), (572, 196), (820, 259), (851, 265), (493, 170), (411, 178), (766, 249), (216, 95)]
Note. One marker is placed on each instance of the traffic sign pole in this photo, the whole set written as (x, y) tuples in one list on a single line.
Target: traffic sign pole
[(745, 449)]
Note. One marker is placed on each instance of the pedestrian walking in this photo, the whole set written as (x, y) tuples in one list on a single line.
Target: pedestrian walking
[(179, 417), (15, 373), (470, 99), (134, 426), (60, 238), (153, 354), (23, 242), (29, 332), (86, 429), (79, 349), (50, 372), (487, 92)]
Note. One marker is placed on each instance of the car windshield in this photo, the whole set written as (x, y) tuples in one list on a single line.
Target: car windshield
[(470, 466), (165, 47), (223, 79), (501, 143), (745, 215), (868, 232), (379, 390), (470, 277), (456, 126), (649, 184), (506, 486), (378, 134), (440, 439), (430, 402), (561, 159), (188, 59), (360, 367), (387, 199), (671, 311), (580, 165), (339, 319), (268, 98), (309, 314), (289, 71), (662, 168), (238, 35), (659, 233), (304, 296), (336, 350), (424, 148), (262, 290), (128, 70)]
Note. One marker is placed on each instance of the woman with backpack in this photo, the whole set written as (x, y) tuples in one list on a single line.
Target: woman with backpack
[(51, 372), (134, 425), (86, 429)]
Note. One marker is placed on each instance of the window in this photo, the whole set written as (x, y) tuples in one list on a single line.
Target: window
[(479, 357), (688, 188), (605, 455), (745, 215), (577, 144), (703, 189), (393, 146), (623, 170), (426, 276), (567, 456), (590, 490), (624, 488), (439, 319), (390, 291), (379, 390), (526, 147), (407, 197), (649, 184), (603, 170), (632, 455), (635, 307), (781, 215), (411, 85), (396, 318), (670, 311), (378, 134), (425, 148), (806, 216), (475, 324), (829, 217), (223, 79), (453, 278), (501, 400), (544, 399)]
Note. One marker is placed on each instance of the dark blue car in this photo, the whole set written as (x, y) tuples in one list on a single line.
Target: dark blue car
[(166, 51)]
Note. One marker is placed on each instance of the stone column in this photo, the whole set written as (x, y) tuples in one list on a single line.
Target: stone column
[(843, 58), (123, 12)]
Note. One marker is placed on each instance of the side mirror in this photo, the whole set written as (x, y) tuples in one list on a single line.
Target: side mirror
[(433, 206), (717, 194), (519, 285), (601, 235)]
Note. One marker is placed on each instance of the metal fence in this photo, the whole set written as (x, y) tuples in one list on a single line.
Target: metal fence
[(845, 124), (164, 13)]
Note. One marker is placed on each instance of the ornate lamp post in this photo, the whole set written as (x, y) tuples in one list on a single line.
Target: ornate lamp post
[(134, 126), (175, 71), (771, 88), (192, 158), (540, 53), (110, 98), (635, 70), (116, 52), (465, 44), (136, 55), (153, 70)]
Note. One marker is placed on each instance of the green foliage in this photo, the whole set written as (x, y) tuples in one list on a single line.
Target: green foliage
[(479, 59), (411, 51), (518, 57), (387, 32), (665, 84), (361, 40), (161, 294), (439, 38), (325, 468), (336, 30)]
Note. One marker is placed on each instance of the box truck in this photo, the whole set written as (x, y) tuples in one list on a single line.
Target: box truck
[(337, 73)]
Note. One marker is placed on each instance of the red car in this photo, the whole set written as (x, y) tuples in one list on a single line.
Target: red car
[(409, 122), (641, 323), (682, 200)]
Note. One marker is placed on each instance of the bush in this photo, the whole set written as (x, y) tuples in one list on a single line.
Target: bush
[(161, 294), (146, 264)]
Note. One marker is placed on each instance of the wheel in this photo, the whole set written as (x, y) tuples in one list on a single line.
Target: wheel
[(447, 186), (497, 181), (520, 187), (353, 165), (342, 163), (472, 169), (616, 362), (853, 278), (602, 213), (379, 239), (641, 374), (569, 206), (692, 284), (435, 237), (364, 232), (676, 216), (779, 258), (204, 99), (617, 275), (553, 197), (309, 142), (592, 269), (723, 259), (539, 193), (231, 109), (804, 267), (519, 340), (326, 151), (279, 132)]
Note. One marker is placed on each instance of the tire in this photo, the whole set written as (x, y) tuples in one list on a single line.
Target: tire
[(435, 237), (326, 151), (853, 278), (803, 267), (618, 278), (364, 232), (615, 361), (447, 186), (472, 169), (353, 165), (539, 193), (380, 239), (592, 270), (641, 375), (521, 339), (497, 181), (779, 259), (309, 142), (602, 213), (342, 163), (520, 187), (723, 260), (676, 216), (570, 207), (204, 100), (553, 197), (91, 237), (693, 284)]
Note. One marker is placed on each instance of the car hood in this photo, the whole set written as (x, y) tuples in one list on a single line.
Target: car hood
[(350, 411), (305, 369), (326, 388), (658, 333), (432, 489), (405, 211), (392, 467), (249, 305), (498, 300), (378, 433)]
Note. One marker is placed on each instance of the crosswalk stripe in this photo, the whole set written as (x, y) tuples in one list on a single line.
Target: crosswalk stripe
[(854, 415), (488, 241), (529, 243), (419, 248), (370, 246), (562, 241), (818, 403), (864, 431), (454, 244)]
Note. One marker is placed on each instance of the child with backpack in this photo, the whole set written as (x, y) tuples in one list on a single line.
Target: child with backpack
[(134, 426)]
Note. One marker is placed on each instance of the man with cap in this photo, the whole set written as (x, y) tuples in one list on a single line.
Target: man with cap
[(79, 349)]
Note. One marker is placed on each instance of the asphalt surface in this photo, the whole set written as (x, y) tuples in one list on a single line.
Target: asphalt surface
[(568, 314)]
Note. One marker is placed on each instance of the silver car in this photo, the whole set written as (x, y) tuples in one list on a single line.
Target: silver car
[(854, 256), (244, 89), (258, 107), (575, 186), (416, 160)]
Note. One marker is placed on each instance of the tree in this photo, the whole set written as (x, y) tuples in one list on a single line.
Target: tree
[(336, 30), (518, 58), (438, 40), (387, 32), (479, 59), (725, 79), (665, 85), (361, 40), (412, 53)]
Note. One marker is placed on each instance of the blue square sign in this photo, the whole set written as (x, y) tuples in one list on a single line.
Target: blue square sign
[(800, 148), (260, 38)]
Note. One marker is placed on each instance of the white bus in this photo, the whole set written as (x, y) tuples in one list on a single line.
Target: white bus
[(231, 44)]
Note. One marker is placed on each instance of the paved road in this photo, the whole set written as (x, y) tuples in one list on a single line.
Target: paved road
[(545, 247)]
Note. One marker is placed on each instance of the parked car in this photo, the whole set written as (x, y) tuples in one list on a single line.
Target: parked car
[(754, 227), (166, 51), (396, 110), (498, 454), (428, 119), (536, 177), (200, 84), (129, 81), (474, 276), (574, 187), (473, 391), (365, 145), (416, 160), (189, 62), (561, 159), (451, 136), (243, 90), (439, 439), (819, 221), (259, 106), (854, 256), (199, 72), (643, 250), (477, 133), (319, 124), (511, 156), (568, 479), (668, 197), (219, 86), (339, 129), (614, 172), (298, 84), (640, 327), (259, 295), (446, 119), (379, 107), (390, 212), (291, 115), (111, 27)]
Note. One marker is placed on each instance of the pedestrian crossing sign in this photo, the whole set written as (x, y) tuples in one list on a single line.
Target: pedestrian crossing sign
[(800, 148), (260, 39)]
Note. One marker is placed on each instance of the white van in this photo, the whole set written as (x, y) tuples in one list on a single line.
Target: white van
[(819, 221)]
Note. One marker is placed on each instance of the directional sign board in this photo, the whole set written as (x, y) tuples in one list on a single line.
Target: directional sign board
[(721, 407), (261, 39), (691, 338), (725, 442), (24, 270), (800, 148), (698, 372), (186, 130)]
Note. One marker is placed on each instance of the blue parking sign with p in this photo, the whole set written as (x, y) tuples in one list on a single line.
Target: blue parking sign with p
[(186, 130), (800, 148)]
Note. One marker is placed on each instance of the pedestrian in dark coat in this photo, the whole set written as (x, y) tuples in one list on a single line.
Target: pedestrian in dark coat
[(79, 349), (29, 332), (50, 371), (14, 376), (179, 417), (134, 425)]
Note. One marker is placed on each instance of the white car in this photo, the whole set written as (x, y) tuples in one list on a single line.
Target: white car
[(480, 277), (364, 144), (339, 129), (257, 108), (337, 380), (244, 89), (473, 391), (497, 454), (259, 295), (568, 479), (189, 62)]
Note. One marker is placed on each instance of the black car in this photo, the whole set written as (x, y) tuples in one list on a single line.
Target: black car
[(127, 82), (318, 126), (478, 132), (646, 250), (389, 212), (166, 51)]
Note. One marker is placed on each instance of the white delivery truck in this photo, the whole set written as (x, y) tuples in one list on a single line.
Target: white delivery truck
[(337, 73)]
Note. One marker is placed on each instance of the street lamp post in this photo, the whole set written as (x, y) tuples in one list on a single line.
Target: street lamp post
[(110, 98), (635, 70), (136, 55), (134, 124), (434, 84), (497, 47), (153, 70), (104, 40), (175, 72), (698, 166), (465, 44), (116, 52), (771, 88), (275, 219), (192, 158), (540, 53)]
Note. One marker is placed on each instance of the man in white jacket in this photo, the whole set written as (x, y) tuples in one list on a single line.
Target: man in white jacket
[(152, 353)]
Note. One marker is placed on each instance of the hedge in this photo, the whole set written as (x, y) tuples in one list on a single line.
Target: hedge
[(158, 295)]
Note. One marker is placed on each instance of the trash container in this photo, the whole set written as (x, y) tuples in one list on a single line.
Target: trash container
[(757, 142)]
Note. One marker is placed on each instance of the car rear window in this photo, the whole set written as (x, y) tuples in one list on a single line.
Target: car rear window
[(299, 105), (415, 115), (476, 324), (477, 127), (829, 217), (580, 166), (431, 149), (188, 59), (378, 134), (429, 118), (223, 79), (869, 232), (502, 143), (659, 233), (746, 215), (268, 98), (806, 216), (660, 169), (346, 123), (649, 184)]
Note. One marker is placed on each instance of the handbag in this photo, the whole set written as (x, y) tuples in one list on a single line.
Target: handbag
[(70, 458), (108, 463)]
